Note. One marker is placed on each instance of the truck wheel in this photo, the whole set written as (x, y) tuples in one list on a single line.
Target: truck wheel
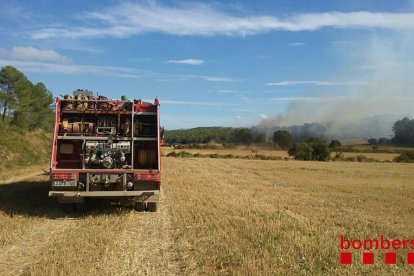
[(67, 207), (93, 203), (152, 206), (139, 206), (80, 207)]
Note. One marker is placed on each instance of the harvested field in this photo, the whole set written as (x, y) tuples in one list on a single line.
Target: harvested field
[(277, 217), (37, 238), (240, 152), (378, 156), (217, 216), (278, 153)]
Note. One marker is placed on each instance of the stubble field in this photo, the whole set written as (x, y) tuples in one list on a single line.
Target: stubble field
[(217, 216), (282, 154)]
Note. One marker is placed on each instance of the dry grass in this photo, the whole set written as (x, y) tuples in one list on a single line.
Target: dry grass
[(367, 147), (276, 217), (240, 152), (269, 152), (378, 156), (37, 238), (18, 174), (217, 216)]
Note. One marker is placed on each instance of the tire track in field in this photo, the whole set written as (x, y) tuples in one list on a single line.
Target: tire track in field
[(144, 247)]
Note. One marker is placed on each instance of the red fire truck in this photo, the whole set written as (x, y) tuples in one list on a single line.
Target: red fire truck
[(106, 148)]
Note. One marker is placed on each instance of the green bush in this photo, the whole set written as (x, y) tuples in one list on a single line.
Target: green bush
[(372, 141), (320, 151), (405, 157), (182, 154), (363, 158), (314, 149), (339, 156), (335, 144), (301, 151)]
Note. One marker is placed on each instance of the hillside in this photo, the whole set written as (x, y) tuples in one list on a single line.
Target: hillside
[(20, 148)]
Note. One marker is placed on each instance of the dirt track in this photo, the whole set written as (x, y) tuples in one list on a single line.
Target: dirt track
[(37, 238)]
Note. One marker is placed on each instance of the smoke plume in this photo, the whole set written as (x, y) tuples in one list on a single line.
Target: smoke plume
[(386, 66)]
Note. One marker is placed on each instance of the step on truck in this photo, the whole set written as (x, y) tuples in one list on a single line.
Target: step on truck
[(106, 148)]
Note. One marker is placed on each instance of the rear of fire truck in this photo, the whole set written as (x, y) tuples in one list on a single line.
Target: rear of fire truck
[(106, 148)]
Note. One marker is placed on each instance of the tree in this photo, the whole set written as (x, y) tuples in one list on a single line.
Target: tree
[(199, 135), (34, 109), (384, 141), (313, 149), (320, 151), (405, 157), (301, 151), (29, 105), (260, 139), (404, 132), (282, 138), (11, 82), (313, 139), (242, 136), (335, 144), (372, 141)]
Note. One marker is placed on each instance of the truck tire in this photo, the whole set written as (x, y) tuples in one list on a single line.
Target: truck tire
[(67, 207), (80, 207), (152, 206), (139, 206), (93, 203)]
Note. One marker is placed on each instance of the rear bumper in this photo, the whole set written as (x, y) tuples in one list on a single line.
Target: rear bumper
[(148, 196)]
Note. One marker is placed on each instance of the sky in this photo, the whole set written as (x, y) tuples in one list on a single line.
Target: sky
[(221, 63)]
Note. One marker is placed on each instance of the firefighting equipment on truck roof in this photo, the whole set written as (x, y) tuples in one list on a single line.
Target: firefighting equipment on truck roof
[(82, 103), (68, 103), (92, 102)]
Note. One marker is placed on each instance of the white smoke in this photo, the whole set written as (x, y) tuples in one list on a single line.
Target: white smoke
[(386, 65)]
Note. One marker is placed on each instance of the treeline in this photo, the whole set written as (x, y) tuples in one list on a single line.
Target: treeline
[(372, 126), (301, 148), (245, 136), (403, 132), (22, 103), (222, 135), (403, 135), (303, 132)]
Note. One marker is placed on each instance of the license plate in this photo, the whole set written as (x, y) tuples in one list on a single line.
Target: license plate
[(64, 183)]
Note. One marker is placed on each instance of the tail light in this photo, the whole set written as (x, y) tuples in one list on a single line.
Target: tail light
[(63, 176), (146, 176), (63, 179)]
